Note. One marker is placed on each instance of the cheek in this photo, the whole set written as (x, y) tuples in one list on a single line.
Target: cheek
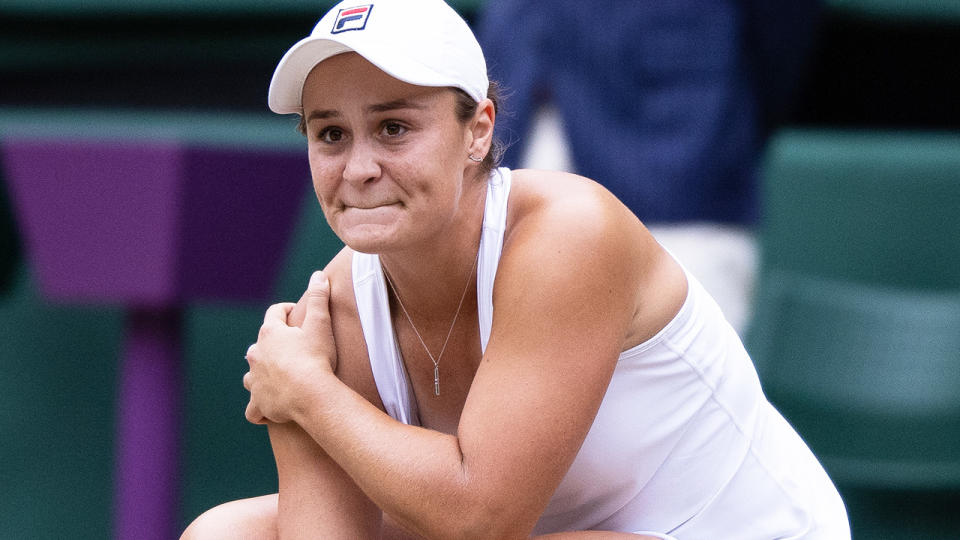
[(323, 174)]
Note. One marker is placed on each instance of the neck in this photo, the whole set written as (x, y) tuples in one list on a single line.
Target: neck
[(431, 277)]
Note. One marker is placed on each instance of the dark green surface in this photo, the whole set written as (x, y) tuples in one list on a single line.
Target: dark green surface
[(902, 515), (57, 393), (225, 457), (941, 11)]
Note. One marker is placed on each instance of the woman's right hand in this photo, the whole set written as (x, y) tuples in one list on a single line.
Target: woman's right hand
[(299, 311), (287, 359)]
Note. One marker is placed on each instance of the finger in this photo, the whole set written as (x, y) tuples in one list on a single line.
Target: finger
[(278, 313), (318, 302), (298, 312), (249, 353), (253, 414), (247, 380)]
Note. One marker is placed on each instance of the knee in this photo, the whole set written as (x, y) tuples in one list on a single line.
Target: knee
[(248, 518)]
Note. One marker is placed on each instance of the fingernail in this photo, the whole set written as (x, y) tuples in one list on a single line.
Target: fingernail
[(318, 279)]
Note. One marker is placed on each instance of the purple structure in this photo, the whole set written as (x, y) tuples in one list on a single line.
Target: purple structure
[(152, 225)]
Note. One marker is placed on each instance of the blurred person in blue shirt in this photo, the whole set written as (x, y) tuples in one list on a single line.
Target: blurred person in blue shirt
[(667, 104)]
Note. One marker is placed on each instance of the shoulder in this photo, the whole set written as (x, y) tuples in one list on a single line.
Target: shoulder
[(570, 235), (353, 366), (553, 194), (343, 304), (561, 210), (568, 240)]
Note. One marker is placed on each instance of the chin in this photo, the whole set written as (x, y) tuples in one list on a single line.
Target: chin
[(368, 239)]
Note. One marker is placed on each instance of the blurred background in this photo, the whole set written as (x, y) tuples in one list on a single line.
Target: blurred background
[(803, 160)]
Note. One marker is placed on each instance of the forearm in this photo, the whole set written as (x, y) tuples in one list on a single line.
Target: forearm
[(416, 475)]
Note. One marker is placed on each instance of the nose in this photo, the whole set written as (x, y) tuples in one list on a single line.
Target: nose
[(362, 163)]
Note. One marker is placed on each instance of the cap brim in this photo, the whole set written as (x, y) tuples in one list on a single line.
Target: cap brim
[(286, 86)]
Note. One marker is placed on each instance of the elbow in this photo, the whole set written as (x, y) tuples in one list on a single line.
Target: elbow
[(475, 507), (488, 528), (482, 520)]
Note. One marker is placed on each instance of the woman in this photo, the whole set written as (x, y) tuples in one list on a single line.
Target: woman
[(495, 353)]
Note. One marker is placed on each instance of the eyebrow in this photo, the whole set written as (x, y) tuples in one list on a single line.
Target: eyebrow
[(394, 105), (322, 114)]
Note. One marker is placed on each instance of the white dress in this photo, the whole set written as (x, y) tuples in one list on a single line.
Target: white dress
[(684, 443)]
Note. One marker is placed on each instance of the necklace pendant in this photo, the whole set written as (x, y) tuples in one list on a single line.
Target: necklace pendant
[(436, 380)]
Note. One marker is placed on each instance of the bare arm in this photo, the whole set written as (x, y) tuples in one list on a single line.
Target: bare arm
[(317, 498), (565, 298)]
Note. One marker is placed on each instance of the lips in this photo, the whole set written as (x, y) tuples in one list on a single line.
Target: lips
[(367, 214), (370, 206)]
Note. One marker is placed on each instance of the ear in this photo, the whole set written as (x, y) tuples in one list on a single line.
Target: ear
[(481, 128)]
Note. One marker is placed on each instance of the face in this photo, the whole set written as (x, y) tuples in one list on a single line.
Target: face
[(388, 159)]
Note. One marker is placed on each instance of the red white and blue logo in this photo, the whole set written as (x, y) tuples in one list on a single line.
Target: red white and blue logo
[(354, 18)]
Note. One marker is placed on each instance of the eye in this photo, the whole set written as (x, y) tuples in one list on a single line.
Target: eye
[(331, 135), (393, 129)]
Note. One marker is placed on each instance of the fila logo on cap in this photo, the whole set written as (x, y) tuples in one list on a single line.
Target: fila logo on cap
[(354, 18)]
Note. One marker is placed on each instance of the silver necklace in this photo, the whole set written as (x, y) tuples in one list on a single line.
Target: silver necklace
[(436, 361)]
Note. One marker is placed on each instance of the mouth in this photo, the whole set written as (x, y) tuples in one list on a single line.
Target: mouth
[(370, 206), (369, 214)]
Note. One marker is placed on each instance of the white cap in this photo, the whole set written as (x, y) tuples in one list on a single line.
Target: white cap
[(421, 42)]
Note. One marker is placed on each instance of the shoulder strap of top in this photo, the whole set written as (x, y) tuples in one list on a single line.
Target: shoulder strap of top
[(373, 306), (491, 244)]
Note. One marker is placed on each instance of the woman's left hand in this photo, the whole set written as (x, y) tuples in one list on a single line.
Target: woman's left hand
[(286, 359)]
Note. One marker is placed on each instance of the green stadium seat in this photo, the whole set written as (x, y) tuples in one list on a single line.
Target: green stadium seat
[(869, 376), (874, 208), (856, 328)]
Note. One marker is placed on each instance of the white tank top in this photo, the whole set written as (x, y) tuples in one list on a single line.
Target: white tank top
[(684, 442)]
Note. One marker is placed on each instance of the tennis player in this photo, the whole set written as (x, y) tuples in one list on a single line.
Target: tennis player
[(495, 353)]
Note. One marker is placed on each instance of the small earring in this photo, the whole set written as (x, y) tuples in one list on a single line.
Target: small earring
[(475, 159)]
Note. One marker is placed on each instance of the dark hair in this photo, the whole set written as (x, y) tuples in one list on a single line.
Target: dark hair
[(465, 109), (302, 125)]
